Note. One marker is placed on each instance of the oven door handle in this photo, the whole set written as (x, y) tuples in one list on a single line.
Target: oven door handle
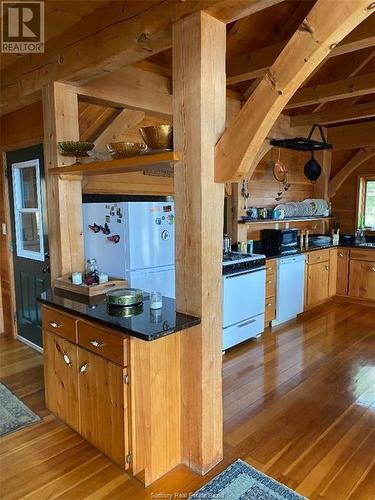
[(227, 276)]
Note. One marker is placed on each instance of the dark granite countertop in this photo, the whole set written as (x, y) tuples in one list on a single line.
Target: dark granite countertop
[(148, 324), (312, 248)]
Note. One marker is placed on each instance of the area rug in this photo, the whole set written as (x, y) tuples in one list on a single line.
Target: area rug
[(13, 413), (240, 481)]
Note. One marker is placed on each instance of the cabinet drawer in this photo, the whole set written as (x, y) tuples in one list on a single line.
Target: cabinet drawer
[(111, 346), (270, 310), (270, 267), (317, 256), (59, 323), (270, 286), (358, 254), (242, 331)]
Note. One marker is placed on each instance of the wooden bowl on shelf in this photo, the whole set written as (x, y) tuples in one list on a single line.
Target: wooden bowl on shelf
[(158, 137), (126, 149)]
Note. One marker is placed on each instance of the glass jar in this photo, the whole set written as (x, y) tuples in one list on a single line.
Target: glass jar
[(91, 268)]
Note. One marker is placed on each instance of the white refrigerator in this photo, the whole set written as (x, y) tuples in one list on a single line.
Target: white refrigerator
[(140, 243)]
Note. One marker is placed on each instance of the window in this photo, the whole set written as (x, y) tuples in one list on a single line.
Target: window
[(366, 205), (27, 210)]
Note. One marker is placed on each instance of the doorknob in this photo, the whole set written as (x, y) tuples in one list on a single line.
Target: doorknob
[(46, 269)]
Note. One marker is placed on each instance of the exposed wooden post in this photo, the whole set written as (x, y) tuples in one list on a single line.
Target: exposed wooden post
[(64, 197), (199, 120)]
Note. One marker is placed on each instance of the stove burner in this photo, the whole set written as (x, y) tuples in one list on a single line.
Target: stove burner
[(236, 262)]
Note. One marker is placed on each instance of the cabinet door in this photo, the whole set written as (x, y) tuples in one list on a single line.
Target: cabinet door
[(342, 271), (362, 279), (103, 400), (317, 283), (61, 378), (332, 272)]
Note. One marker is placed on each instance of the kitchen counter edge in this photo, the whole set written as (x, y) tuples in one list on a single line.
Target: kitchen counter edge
[(188, 322)]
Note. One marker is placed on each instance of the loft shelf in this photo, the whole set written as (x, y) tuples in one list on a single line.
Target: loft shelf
[(121, 166), (291, 219)]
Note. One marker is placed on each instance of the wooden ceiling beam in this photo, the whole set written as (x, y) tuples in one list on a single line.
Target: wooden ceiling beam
[(358, 135), (125, 120), (333, 91), (321, 30), (92, 48), (228, 11), (358, 159), (256, 63), (341, 114)]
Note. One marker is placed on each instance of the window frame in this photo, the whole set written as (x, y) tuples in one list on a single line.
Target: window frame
[(361, 200), (19, 209)]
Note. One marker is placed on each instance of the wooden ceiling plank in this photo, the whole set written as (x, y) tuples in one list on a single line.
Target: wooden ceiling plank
[(256, 63), (341, 114), (321, 30), (333, 91), (358, 135), (358, 159)]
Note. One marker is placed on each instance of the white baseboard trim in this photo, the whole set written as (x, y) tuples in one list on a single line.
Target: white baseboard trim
[(30, 344)]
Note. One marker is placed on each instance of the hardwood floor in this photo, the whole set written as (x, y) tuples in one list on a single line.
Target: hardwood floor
[(299, 405)]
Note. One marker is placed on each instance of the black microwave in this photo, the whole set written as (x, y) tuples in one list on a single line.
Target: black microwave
[(279, 240)]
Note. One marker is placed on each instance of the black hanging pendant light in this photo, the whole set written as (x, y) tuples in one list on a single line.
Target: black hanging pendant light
[(312, 169)]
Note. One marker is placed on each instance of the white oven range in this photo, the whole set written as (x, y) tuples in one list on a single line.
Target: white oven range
[(244, 278)]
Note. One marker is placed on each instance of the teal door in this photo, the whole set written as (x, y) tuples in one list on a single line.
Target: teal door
[(30, 245)]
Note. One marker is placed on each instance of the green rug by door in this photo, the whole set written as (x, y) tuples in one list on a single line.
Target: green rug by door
[(14, 414), (240, 481)]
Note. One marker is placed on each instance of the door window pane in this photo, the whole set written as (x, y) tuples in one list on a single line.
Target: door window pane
[(30, 231), (28, 210), (29, 190)]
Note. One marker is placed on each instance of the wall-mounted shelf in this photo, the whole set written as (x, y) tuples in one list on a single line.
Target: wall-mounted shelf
[(273, 221), (124, 165)]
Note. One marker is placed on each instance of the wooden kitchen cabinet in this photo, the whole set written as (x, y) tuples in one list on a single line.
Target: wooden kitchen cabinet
[(61, 378), (362, 279), (317, 283), (342, 283), (117, 391), (270, 304), (103, 401), (332, 284)]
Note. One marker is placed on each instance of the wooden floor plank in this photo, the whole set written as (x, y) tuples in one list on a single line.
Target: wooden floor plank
[(299, 405)]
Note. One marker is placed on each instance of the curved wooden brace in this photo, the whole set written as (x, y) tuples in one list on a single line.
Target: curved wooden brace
[(319, 33), (358, 159)]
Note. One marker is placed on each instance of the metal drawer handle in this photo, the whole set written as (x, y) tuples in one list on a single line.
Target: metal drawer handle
[(327, 268), (83, 368), (319, 257), (97, 343), (269, 281), (245, 323), (55, 324), (372, 269), (341, 254), (269, 304), (66, 358)]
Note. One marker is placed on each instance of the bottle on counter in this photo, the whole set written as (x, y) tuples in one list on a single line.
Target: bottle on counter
[(250, 246)]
